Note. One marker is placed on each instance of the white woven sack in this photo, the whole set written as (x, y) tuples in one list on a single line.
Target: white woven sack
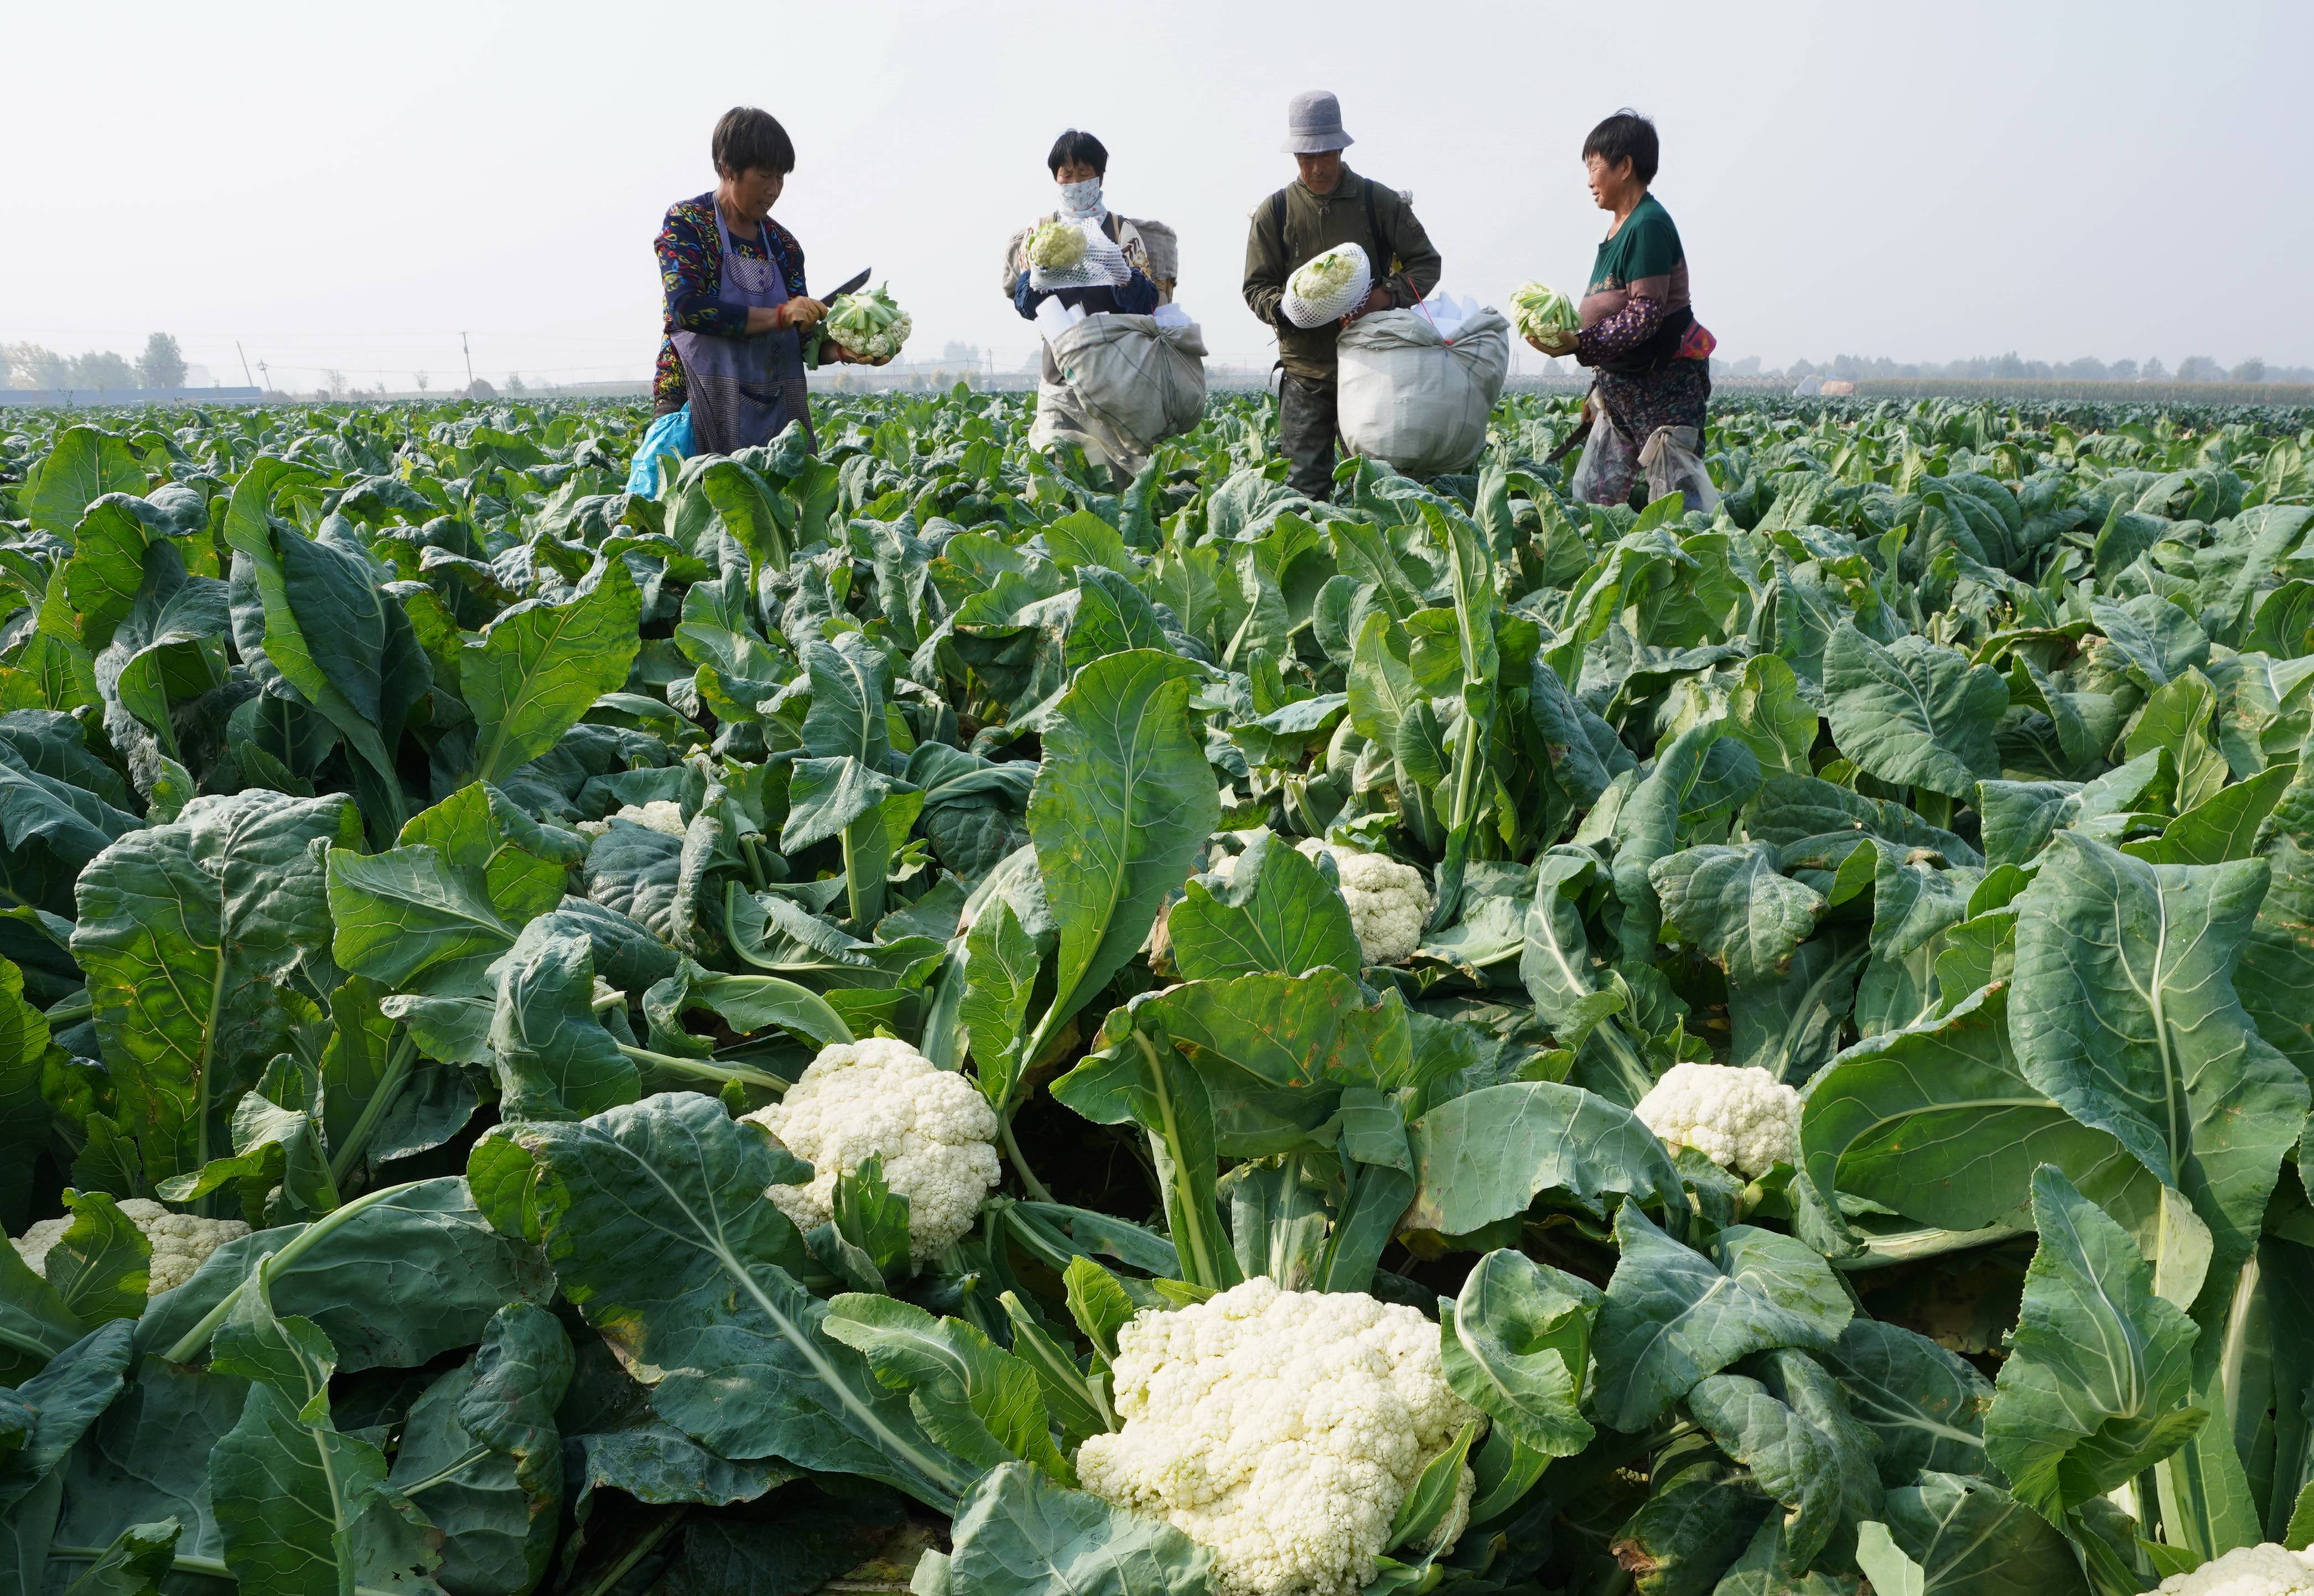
[(1316, 313), (1409, 397), (1133, 383), (1102, 266)]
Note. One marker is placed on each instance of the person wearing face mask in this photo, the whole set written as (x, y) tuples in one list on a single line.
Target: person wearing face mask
[(1326, 206), (1649, 356), (1079, 164), (730, 370)]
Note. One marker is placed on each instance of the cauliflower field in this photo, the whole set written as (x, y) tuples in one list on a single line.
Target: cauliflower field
[(911, 1020)]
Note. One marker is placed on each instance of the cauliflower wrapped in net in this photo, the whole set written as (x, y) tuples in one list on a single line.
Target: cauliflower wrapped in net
[(1330, 273), (1389, 901), (1280, 1429), (1056, 245), (2265, 1570), (1740, 1118), (933, 1131), (181, 1242)]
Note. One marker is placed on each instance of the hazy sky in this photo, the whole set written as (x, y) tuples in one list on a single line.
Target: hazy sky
[(353, 186)]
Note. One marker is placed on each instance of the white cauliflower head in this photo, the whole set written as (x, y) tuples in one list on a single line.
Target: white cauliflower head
[(2266, 1570), (660, 814), (1389, 901), (1741, 1119), (180, 1242), (1280, 1429), (881, 1098)]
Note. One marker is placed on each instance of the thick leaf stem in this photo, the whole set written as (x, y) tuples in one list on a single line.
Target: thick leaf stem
[(1021, 1163), (189, 1344), (609, 1578), (397, 1072), (705, 1069)]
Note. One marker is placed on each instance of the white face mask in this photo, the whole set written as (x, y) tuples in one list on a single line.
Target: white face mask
[(1081, 199)]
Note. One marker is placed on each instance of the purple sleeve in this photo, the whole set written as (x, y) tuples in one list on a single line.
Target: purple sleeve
[(1621, 332)]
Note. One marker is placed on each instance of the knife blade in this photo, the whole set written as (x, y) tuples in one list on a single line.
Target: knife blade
[(852, 284)]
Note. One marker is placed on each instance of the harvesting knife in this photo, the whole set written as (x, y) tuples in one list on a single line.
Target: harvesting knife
[(851, 285)]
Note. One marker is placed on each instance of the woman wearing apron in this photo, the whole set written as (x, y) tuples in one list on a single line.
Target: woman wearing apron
[(730, 367)]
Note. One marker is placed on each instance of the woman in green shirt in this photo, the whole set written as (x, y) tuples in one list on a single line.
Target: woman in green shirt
[(1649, 358)]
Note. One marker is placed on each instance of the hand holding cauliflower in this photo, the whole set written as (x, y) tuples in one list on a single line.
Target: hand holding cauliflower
[(881, 1098), (181, 1242), (1282, 1430), (1741, 1119)]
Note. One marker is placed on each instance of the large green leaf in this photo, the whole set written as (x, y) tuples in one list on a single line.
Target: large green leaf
[(1926, 1405), (1673, 1315), (1970, 1537), (1796, 1437), (1517, 1345), (480, 1455), (1017, 1533), (1275, 913), (970, 1395), (554, 1059), (1485, 1155), (538, 666), (2124, 1012), (1735, 910), (1123, 801), (1940, 1123), (196, 938), (2276, 971), (64, 1400), (654, 1217), (1912, 713), (134, 1565), (1001, 969), (82, 466), (2100, 1367), (300, 1507)]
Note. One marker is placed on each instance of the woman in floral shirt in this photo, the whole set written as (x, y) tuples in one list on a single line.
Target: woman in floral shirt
[(1649, 358)]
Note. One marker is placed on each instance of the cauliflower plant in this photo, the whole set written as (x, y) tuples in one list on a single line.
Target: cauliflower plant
[(1280, 1429), (660, 814), (2266, 1570), (881, 1098), (180, 1242), (1389, 902), (1741, 1119)]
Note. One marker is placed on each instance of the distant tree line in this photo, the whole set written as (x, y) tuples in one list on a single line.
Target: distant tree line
[(95, 371), (2194, 368)]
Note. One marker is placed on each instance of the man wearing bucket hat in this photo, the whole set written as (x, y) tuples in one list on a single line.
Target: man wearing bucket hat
[(1326, 206)]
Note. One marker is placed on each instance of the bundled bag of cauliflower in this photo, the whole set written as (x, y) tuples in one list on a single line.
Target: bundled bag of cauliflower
[(1329, 287)]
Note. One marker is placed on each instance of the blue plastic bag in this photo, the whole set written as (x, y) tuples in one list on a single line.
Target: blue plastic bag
[(670, 435)]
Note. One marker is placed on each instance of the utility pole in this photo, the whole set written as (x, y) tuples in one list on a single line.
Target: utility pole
[(469, 353), (265, 372), (244, 363)]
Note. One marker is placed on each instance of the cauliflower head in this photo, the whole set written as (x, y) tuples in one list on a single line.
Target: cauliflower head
[(1330, 272), (881, 1098), (2267, 1570), (181, 1242), (1741, 1119), (660, 814), (1056, 245), (1389, 901), (1280, 1429)]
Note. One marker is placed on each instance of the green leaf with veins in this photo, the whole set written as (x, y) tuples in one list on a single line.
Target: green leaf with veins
[(538, 666)]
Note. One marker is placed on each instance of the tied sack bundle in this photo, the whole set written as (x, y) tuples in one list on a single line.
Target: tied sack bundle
[(1414, 397), (1133, 381)]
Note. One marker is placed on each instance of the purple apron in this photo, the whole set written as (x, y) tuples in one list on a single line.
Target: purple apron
[(745, 390)]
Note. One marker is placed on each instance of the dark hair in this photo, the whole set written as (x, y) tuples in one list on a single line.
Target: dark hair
[(1077, 144), (1627, 136), (747, 137)]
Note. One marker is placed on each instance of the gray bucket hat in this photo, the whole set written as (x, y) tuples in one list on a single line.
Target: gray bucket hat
[(1313, 123)]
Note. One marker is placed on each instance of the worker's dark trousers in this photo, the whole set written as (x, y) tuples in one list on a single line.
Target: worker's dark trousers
[(1305, 432)]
